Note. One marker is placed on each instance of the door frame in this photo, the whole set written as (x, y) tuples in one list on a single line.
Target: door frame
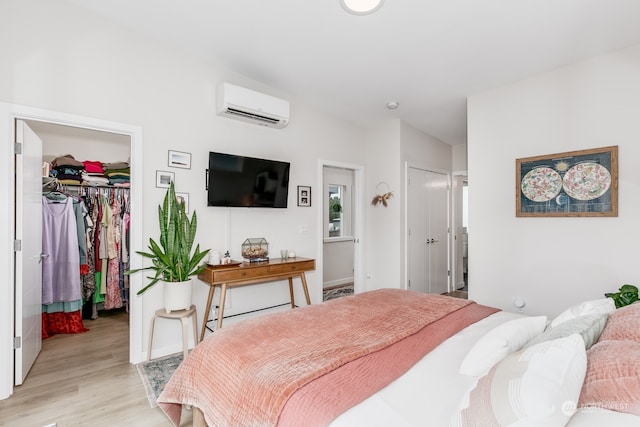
[(8, 114), (456, 221), (357, 228), (407, 166)]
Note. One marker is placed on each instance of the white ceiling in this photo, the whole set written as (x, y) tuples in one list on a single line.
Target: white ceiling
[(428, 55)]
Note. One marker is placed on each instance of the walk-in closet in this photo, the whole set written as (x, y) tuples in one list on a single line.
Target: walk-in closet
[(85, 224)]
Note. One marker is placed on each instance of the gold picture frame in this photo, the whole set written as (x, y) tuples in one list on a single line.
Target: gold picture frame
[(581, 183)]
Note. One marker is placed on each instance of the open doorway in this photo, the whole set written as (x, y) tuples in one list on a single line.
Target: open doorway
[(461, 235), (74, 187), (10, 115), (340, 214), (338, 248)]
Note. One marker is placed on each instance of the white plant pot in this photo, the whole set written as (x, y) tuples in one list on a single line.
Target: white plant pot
[(177, 295)]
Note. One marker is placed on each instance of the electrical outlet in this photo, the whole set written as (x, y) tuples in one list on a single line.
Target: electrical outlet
[(227, 298)]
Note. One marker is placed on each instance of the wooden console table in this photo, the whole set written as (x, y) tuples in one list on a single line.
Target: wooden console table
[(251, 273)]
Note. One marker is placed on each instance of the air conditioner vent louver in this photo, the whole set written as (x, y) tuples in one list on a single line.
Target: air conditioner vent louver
[(250, 106), (251, 115)]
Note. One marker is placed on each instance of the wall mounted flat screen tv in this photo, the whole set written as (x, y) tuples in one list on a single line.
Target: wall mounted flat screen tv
[(238, 181)]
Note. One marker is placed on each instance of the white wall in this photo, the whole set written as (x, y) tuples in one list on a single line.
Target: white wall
[(62, 58), (383, 251), (553, 262), (338, 263), (425, 151), (83, 144), (459, 161)]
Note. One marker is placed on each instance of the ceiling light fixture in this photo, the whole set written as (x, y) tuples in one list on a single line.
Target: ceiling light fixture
[(361, 7), (392, 105)]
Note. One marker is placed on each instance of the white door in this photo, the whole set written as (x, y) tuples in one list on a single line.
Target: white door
[(428, 239), (417, 218), (28, 275)]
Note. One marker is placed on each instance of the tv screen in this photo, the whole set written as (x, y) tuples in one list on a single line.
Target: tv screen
[(238, 181)]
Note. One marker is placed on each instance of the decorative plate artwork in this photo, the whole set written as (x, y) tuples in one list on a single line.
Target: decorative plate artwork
[(587, 181), (541, 184)]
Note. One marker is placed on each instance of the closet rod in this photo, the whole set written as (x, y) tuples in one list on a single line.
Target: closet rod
[(92, 189), (93, 186)]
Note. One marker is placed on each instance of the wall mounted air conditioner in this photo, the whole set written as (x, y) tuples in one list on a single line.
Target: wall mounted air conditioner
[(250, 106)]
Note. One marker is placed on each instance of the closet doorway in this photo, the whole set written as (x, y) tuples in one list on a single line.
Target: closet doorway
[(82, 144), (10, 314), (428, 231)]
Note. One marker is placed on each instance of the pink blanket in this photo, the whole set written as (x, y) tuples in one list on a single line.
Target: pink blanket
[(275, 368)]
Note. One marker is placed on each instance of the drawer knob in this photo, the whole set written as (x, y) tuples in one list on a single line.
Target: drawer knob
[(244, 273)]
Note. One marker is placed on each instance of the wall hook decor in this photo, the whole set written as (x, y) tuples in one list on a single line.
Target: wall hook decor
[(382, 197)]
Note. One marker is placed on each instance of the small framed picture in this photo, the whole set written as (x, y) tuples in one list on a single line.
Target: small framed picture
[(183, 198), (179, 159), (304, 195), (164, 179)]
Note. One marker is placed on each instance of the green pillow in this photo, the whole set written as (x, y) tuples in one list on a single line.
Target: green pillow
[(589, 327)]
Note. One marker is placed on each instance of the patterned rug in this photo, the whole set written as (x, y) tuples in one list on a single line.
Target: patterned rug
[(337, 292), (156, 373)]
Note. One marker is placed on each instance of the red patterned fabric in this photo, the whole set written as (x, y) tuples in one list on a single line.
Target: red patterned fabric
[(62, 323)]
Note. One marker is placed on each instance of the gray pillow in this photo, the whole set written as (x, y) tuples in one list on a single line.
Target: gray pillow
[(589, 327)]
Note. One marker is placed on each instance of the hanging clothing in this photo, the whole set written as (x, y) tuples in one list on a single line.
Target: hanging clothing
[(60, 270), (102, 227), (61, 284), (114, 294)]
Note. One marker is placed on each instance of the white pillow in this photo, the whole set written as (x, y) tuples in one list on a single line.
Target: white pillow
[(499, 342), (537, 386), (598, 306)]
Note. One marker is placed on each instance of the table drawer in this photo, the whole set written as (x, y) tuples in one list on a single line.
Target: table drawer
[(297, 266), (238, 274)]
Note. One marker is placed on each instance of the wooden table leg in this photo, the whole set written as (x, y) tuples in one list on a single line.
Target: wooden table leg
[(223, 295), (207, 310), (304, 287), (293, 301)]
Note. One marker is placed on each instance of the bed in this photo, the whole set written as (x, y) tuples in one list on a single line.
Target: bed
[(396, 357)]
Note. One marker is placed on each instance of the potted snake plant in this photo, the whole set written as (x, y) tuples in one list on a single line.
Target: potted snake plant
[(174, 263)]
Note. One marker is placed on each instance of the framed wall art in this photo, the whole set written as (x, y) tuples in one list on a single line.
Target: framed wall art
[(183, 198), (304, 195), (179, 159), (575, 183), (164, 178)]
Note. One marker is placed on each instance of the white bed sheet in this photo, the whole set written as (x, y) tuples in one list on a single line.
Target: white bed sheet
[(431, 391), (598, 417)]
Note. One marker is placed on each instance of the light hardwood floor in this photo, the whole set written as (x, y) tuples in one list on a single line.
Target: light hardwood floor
[(85, 380)]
